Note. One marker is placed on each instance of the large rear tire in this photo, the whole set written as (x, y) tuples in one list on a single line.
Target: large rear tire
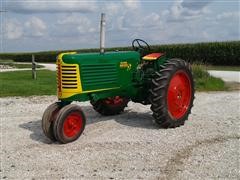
[(110, 106), (48, 118), (69, 124), (172, 94)]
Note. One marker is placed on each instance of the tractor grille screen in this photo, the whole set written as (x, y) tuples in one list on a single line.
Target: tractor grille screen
[(69, 77), (98, 76)]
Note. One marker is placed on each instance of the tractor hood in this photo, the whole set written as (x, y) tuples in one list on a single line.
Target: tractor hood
[(90, 58), (92, 72)]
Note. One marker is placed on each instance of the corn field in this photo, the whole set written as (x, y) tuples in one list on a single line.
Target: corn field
[(213, 53)]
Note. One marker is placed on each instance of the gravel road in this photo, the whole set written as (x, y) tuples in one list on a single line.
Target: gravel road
[(49, 66), (126, 146)]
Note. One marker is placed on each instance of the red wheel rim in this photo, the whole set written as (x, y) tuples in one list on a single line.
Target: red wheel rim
[(72, 125), (179, 94), (117, 100)]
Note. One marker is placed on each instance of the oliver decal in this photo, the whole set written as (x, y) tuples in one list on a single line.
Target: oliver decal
[(126, 65)]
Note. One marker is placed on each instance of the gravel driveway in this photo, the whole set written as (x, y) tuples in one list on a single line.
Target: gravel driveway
[(228, 76), (127, 146), (48, 66)]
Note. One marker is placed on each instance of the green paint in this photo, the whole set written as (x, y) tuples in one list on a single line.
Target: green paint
[(116, 73)]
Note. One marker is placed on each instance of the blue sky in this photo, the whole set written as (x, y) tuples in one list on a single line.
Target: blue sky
[(39, 25)]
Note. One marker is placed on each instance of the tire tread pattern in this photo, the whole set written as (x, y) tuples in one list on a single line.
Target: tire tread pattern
[(48, 120), (158, 93)]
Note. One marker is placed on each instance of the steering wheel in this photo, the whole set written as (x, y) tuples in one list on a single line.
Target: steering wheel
[(140, 45)]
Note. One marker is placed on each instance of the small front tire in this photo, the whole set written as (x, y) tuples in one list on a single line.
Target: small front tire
[(69, 124), (48, 118)]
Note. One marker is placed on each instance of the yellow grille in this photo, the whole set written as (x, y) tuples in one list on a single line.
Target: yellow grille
[(68, 79)]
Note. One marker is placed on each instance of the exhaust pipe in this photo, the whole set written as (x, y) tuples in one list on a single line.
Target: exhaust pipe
[(102, 33)]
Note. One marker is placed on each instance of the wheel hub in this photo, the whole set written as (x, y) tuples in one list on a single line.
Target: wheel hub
[(72, 125), (179, 95), (117, 100)]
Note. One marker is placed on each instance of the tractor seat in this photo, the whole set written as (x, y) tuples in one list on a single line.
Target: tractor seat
[(153, 56)]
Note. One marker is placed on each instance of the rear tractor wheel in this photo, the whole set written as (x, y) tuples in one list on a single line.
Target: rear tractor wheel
[(110, 106), (172, 94), (69, 124)]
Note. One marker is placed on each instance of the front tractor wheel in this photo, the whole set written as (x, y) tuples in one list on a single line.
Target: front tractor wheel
[(69, 124), (48, 118), (110, 106), (172, 94)]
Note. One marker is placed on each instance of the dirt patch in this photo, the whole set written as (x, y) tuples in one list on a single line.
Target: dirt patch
[(176, 163)]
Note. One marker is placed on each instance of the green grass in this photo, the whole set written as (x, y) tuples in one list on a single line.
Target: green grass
[(6, 61), (224, 68), (20, 83), (19, 65), (205, 82)]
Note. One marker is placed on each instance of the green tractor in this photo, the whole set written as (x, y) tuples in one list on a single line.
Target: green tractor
[(109, 80)]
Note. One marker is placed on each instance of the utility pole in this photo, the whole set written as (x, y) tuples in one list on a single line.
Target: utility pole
[(2, 25), (102, 33)]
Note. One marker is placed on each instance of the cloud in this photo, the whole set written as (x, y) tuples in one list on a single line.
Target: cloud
[(35, 27), (73, 25), (121, 25), (14, 29), (112, 8), (184, 10), (227, 15), (195, 4), (131, 4), (73, 19), (152, 20), (118, 13), (149, 21), (43, 6)]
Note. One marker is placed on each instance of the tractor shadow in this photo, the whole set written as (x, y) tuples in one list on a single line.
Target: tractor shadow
[(36, 128), (127, 118)]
